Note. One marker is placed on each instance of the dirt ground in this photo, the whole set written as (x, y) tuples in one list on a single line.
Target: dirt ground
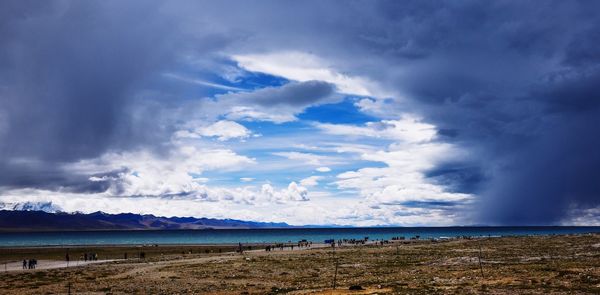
[(510, 265)]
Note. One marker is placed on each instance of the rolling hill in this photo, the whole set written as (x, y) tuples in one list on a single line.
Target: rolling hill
[(17, 220)]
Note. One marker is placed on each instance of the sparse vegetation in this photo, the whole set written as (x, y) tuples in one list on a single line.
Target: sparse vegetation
[(511, 265)]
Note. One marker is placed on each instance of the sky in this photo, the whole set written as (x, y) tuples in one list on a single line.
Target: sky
[(362, 113)]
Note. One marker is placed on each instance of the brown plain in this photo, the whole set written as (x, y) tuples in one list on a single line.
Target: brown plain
[(511, 265)]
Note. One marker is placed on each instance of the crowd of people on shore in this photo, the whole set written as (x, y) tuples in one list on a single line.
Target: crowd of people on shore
[(362, 241), (281, 246), (29, 263), (32, 262), (89, 256), (334, 243)]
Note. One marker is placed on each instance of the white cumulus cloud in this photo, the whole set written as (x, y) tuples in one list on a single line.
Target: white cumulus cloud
[(146, 173), (323, 169), (407, 129), (223, 130), (301, 66), (306, 158), (311, 181)]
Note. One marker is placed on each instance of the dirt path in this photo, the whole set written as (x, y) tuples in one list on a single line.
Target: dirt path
[(17, 266), (140, 268), (47, 264)]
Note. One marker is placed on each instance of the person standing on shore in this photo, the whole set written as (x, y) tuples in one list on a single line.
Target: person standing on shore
[(24, 263), (31, 263)]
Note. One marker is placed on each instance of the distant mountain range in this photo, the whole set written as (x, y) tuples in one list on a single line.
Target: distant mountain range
[(31, 206), (27, 220)]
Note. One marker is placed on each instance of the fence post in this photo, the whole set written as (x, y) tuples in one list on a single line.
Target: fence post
[(335, 275), (480, 265)]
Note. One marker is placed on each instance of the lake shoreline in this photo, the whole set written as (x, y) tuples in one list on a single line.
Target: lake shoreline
[(257, 237)]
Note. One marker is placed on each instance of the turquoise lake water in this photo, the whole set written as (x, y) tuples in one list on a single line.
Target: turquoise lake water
[(233, 236)]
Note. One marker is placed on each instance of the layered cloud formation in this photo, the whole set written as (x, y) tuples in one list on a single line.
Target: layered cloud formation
[(337, 112)]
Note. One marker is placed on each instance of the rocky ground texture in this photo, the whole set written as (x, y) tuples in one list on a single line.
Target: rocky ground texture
[(509, 265)]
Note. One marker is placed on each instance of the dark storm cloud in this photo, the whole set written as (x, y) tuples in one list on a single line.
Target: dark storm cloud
[(458, 177), (71, 75), (513, 83), (42, 175), (291, 94), (554, 173), (519, 88), (67, 71)]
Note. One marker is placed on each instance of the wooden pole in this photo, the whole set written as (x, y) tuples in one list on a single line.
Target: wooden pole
[(335, 275), (480, 265)]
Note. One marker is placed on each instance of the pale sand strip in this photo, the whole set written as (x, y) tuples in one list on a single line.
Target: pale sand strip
[(47, 264), (53, 264)]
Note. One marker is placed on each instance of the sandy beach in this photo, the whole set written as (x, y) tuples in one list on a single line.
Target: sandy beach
[(509, 265), (49, 264)]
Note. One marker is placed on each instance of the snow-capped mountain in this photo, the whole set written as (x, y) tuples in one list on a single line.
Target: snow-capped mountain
[(31, 206)]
